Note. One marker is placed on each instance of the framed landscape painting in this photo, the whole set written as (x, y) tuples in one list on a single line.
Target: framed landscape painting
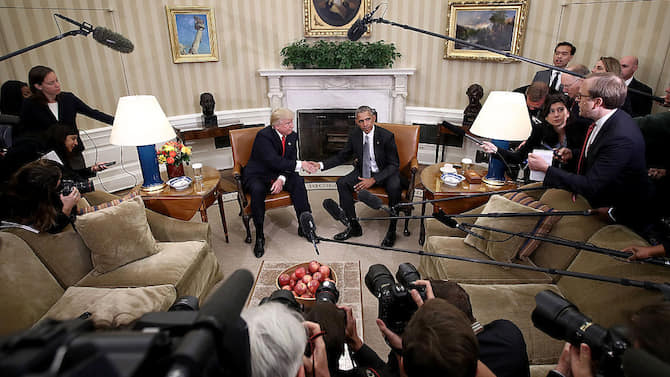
[(192, 34), (496, 24), (332, 18)]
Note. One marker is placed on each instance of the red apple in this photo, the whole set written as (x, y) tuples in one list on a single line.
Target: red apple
[(293, 277), (300, 272), (306, 279), (317, 276), (294, 294), (286, 287), (307, 295), (291, 283), (313, 285), (284, 279), (300, 288), (314, 266), (325, 271)]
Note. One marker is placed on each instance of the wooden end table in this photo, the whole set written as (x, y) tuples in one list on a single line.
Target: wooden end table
[(183, 204), (434, 188)]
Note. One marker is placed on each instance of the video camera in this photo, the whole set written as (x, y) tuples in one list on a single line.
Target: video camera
[(560, 319), (396, 305), (211, 342)]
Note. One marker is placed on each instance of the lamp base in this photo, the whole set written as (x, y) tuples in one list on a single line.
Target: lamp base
[(153, 188), (493, 181)]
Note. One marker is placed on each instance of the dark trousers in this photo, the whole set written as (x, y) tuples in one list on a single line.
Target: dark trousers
[(259, 187), (345, 189)]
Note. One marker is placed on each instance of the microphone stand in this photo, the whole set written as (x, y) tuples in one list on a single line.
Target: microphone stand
[(492, 214), (475, 195), (84, 29), (381, 20), (664, 288)]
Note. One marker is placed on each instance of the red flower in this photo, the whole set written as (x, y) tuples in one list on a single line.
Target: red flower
[(173, 153), (170, 160)]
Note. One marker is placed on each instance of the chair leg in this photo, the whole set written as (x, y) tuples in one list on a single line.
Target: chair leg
[(245, 219), (406, 230)]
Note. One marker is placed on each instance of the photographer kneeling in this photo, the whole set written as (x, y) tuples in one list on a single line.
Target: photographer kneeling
[(34, 198)]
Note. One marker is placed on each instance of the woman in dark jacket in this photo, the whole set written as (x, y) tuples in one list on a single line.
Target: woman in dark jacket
[(550, 134), (49, 105), (62, 139)]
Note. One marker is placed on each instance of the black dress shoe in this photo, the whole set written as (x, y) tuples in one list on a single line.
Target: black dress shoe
[(353, 230), (259, 247), (389, 239)]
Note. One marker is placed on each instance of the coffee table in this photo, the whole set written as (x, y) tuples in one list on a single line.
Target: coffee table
[(348, 284), (183, 204), (434, 188)]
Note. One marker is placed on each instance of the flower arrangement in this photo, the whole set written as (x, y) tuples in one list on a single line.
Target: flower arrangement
[(174, 153)]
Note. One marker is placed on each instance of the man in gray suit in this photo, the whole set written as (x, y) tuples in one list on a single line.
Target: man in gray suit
[(563, 53)]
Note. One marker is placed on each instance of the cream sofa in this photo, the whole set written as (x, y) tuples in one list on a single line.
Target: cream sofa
[(499, 292), (53, 276)]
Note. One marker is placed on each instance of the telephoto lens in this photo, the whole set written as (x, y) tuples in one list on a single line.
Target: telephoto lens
[(328, 292), (378, 278)]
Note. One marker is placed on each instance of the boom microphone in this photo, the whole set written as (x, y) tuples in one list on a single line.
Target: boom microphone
[(335, 211), (459, 131), (113, 40), (308, 227), (359, 27), (374, 202)]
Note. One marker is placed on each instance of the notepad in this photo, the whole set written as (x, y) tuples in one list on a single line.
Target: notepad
[(547, 155)]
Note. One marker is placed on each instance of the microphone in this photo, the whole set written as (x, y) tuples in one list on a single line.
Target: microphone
[(103, 35), (459, 131), (359, 27), (335, 211), (374, 202), (113, 40), (307, 225)]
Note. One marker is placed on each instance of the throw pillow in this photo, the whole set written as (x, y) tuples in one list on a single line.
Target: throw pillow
[(542, 228), (89, 208), (499, 246), (117, 235)]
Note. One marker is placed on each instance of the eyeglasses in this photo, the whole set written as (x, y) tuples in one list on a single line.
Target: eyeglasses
[(579, 96)]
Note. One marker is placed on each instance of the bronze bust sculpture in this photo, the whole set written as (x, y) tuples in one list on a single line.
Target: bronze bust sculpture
[(475, 93), (207, 103)]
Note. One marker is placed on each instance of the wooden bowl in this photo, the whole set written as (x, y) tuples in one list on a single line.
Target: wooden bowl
[(306, 302)]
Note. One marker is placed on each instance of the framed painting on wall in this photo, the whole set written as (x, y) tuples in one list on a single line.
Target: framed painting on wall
[(499, 24), (192, 34), (332, 18)]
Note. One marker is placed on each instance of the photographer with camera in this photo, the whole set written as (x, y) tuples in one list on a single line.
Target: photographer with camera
[(34, 198)]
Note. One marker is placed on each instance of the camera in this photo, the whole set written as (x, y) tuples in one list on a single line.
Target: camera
[(561, 320), (396, 305), (83, 186), (327, 292)]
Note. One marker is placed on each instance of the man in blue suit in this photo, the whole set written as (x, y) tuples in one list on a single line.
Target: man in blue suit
[(273, 167), (376, 163), (611, 169)]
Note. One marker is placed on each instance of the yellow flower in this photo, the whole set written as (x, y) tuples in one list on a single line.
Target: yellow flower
[(186, 150), (161, 159), (168, 147)]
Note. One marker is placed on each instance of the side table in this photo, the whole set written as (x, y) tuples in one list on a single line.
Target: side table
[(183, 204), (434, 188)]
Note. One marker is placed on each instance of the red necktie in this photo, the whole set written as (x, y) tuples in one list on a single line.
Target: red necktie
[(581, 155), (283, 145)]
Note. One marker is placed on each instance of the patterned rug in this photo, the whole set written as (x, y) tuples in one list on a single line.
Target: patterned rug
[(348, 284)]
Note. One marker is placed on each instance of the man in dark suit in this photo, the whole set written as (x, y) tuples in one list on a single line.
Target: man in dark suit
[(611, 172), (563, 53), (273, 167), (640, 104), (375, 165)]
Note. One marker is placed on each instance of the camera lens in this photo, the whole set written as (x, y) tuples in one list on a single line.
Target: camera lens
[(407, 274), (327, 291), (378, 278)]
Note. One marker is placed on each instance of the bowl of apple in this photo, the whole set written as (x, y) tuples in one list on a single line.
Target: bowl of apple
[(304, 279)]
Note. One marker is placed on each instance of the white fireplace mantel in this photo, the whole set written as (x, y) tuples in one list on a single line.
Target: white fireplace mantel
[(382, 89)]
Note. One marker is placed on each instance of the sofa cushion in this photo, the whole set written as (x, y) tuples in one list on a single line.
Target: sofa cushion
[(609, 303), (117, 235), (469, 272), (190, 266), (65, 254), (27, 287), (543, 226), (575, 228), (500, 246), (515, 302), (112, 307)]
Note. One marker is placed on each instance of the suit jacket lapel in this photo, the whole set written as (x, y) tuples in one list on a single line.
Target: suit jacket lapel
[(602, 135), (378, 146)]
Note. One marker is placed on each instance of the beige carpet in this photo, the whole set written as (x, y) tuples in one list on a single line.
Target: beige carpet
[(282, 244)]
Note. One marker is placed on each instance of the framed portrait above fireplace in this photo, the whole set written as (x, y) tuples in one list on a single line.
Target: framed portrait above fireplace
[(498, 24), (332, 18), (192, 34)]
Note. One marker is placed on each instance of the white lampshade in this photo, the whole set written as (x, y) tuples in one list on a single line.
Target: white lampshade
[(504, 116), (140, 120)]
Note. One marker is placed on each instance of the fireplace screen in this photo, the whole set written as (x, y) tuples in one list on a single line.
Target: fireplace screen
[(323, 132)]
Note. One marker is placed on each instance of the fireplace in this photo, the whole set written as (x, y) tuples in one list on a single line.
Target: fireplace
[(323, 132)]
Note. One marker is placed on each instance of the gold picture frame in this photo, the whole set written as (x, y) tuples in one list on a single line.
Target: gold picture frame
[(192, 33), (328, 18), (499, 24)]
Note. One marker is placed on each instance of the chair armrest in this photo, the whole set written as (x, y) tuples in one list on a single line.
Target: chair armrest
[(237, 174), (168, 229), (237, 171), (413, 169), (414, 165)]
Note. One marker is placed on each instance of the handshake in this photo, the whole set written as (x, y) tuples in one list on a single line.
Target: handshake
[(311, 166)]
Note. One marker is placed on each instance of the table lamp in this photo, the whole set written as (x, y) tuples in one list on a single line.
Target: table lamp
[(139, 121), (503, 118)]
